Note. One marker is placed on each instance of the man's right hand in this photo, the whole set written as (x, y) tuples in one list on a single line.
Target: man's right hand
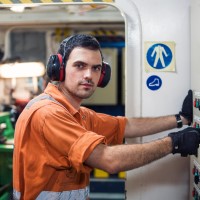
[(186, 142)]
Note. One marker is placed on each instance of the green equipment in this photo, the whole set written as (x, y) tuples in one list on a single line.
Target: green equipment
[(6, 154)]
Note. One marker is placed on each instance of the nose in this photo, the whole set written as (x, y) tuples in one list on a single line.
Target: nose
[(88, 73)]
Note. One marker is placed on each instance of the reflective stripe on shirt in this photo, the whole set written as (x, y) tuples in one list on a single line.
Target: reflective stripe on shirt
[(81, 194)]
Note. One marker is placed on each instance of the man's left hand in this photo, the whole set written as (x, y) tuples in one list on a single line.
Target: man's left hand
[(187, 108)]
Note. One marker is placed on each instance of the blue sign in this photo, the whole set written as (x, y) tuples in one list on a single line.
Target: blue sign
[(154, 82), (159, 56)]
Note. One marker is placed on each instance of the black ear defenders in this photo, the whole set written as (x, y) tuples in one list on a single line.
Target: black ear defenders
[(56, 70), (105, 75)]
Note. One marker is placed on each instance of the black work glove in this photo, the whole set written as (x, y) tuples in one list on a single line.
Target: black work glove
[(186, 142), (187, 107)]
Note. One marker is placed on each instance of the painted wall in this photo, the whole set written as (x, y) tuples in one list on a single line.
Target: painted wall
[(195, 71), (166, 20)]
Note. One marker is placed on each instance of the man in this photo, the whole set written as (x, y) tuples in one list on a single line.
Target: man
[(58, 142)]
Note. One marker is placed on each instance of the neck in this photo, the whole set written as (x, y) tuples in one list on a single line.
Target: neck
[(75, 102)]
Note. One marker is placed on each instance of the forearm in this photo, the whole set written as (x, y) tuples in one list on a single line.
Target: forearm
[(126, 157), (141, 154), (138, 127)]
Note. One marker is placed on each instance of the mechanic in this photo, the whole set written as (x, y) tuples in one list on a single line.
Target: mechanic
[(58, 142)]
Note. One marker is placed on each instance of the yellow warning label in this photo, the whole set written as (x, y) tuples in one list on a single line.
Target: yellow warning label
[(53, 1), (102, 174)]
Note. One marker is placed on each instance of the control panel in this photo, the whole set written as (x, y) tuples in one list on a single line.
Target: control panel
[(195, 160)]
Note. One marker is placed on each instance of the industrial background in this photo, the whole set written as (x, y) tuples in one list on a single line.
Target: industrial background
[(30, 31)]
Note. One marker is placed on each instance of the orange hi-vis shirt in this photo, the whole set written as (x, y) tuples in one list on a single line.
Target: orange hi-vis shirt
[(52, 140)]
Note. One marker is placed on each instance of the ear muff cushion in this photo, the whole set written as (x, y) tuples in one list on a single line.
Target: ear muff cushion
[(55, 68), (61, 69), (105, 75)]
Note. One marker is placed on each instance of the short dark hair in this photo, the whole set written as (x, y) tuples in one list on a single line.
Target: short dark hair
[(78, 40)]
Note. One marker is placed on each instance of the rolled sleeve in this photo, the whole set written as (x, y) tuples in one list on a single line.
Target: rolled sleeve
[(67, 143), (83, 147)]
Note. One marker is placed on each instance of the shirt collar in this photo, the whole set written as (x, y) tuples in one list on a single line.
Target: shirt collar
[(53, 91)]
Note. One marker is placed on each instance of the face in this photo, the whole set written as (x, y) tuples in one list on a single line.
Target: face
[(82, 73)]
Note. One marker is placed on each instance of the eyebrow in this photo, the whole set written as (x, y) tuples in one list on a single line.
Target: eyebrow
[(84, 63), (99, 65)]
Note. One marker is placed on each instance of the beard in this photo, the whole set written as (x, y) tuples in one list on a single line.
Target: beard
[(81, 93)]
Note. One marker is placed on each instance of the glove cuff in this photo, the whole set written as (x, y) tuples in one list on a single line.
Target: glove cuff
[(186, 117), (175, 144)]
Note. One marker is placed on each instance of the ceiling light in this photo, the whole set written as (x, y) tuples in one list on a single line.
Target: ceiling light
[(19, 70), (17, 8)]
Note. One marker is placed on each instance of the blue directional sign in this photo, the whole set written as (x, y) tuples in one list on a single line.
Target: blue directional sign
[(154, 82), (159, 56)]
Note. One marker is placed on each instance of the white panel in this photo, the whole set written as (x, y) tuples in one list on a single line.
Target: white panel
[(166, 20), (195, 45), (195, 82)]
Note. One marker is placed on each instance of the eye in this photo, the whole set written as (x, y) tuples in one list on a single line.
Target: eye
[(97, 68), (79, 65)]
